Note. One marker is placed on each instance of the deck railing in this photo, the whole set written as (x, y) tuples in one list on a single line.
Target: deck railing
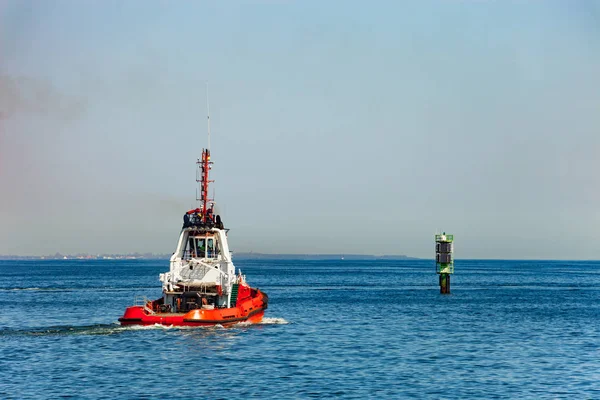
[(143, 301)]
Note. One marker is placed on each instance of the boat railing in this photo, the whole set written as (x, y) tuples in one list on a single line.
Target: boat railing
[(143, 301), (211, 267)]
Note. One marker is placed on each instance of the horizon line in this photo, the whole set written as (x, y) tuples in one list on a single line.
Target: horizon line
[(84, 256)]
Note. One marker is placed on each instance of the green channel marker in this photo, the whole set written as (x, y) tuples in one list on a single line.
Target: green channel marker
[(444, 260)]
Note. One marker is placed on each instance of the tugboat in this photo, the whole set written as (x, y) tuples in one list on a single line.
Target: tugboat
[(201, 287)]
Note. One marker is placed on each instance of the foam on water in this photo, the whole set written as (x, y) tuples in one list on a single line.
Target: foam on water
[(273, 321), (116, 328), (100, 329)]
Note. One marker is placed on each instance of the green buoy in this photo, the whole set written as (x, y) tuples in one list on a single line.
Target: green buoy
[(444, 260)]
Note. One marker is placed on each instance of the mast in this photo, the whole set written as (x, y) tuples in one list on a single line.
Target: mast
[(204, 167)]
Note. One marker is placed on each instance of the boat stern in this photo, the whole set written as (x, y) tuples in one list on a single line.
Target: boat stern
[(133, 315)]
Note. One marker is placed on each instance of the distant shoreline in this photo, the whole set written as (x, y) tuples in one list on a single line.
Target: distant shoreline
[(263, 256), (236, 256)]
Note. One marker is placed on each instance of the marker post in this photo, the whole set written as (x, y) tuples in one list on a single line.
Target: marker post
[(444, 260)]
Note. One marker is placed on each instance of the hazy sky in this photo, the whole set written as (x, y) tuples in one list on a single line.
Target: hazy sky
[(338, 127)]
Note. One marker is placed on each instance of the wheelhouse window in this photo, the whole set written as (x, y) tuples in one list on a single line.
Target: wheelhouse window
[(210, 248), (201, 246)]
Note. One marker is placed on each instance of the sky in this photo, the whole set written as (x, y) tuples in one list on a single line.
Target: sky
[(336, 127)]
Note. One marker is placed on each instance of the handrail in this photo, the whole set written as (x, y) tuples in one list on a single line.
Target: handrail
[(211, 267), (140, 300)]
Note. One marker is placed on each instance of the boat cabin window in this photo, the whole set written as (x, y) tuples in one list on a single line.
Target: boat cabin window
[(210, 248), (204, 246)]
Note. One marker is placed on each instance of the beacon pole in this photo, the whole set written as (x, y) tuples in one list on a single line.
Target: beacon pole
[(444, 260)]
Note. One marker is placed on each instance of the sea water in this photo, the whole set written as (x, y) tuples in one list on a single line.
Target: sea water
[(347, 329)]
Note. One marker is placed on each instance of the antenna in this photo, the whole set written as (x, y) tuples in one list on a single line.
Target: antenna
[(202, 173), (208, 115)]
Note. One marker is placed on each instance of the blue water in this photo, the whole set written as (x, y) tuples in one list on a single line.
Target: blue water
[(348, 329)]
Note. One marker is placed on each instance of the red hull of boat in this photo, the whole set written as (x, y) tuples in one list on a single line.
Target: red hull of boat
[(246, 310)]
